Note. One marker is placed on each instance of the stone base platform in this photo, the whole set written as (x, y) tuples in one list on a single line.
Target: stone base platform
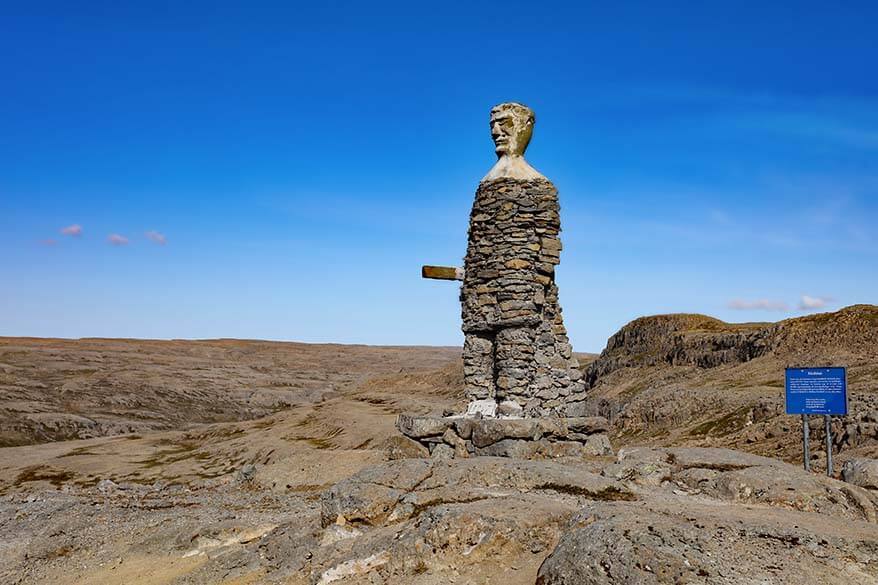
[(521, 438)]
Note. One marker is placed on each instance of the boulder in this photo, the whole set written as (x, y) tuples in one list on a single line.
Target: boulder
[(861, 472), (587, 425), (107, 486), (420, 427), (442, 452), (553, 427), (491, 430), (515, 448), (399, 447), (464, 427), (451, 439), (598, 445), (246, 473)]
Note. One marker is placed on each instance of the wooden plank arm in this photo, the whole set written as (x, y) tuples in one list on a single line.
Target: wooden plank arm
[(442, 272)]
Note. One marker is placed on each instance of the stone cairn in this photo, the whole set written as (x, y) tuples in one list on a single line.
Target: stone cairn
[(523, 383), (516, 352)]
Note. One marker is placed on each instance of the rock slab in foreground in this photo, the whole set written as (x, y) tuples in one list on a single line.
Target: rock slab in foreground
[(654, 517), (658, 543), (398, 490)]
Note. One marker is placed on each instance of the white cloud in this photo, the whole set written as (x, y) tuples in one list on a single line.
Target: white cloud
[(809, 303), (757, 305), (157, 237), (117, 240), (72, 230)]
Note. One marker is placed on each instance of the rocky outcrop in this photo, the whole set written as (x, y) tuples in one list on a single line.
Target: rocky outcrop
[(697, 381), (400, 490), (741, 478), (694, 340), (861, 472), (705, 342), (655, 543), (653, 516), (487, 520), (650, 516)]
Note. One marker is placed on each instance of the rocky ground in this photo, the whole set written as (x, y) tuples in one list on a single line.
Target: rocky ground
[(326, 490), (648, 516), (60, 389)]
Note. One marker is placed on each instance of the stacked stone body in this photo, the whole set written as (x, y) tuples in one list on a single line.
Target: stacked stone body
[(516, 348)]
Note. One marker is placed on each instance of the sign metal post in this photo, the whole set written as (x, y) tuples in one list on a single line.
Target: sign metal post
[(817, 391), (806, 444), (828, 421)]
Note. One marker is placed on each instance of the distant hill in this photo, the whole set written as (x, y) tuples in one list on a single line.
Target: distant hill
[(695, 380), (60, 389)]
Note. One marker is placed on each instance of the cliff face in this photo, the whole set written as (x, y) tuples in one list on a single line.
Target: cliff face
[(694, 340), (705, 342), (694, 380)]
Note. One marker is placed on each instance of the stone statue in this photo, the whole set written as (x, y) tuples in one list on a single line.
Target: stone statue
[(526, 393), (516, 351)]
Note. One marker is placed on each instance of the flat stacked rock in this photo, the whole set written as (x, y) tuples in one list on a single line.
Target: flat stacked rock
[(521, 438)]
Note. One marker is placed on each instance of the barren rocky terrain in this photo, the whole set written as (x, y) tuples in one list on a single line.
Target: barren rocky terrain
[(696, 381), (251, 462), (58, 389)]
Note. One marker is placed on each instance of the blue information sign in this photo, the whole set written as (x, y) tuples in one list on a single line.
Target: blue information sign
[(817, 391)]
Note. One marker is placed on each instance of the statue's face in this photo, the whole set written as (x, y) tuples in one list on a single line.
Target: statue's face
[(511, 131)]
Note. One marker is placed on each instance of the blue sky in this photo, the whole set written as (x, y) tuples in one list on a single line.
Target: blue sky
[(281, 171)]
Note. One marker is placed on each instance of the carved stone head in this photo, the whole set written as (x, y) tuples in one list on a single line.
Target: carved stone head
[(512, 125)]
